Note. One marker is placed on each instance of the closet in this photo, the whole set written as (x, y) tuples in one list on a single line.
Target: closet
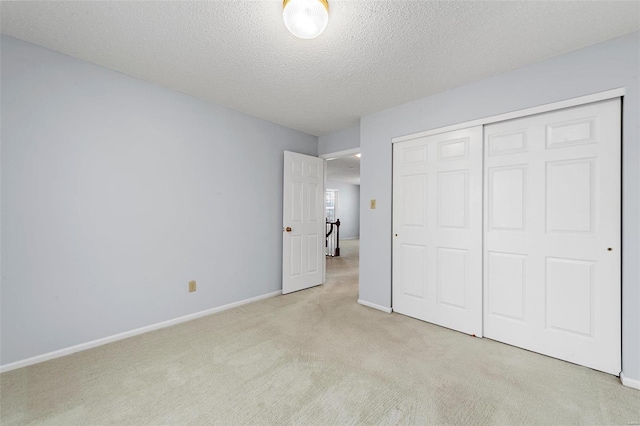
[(512, 231)]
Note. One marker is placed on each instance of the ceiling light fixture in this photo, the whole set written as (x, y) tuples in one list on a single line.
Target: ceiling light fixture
[(305, 18)]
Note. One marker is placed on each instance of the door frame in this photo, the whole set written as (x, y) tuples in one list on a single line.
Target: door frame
[(332, 156)]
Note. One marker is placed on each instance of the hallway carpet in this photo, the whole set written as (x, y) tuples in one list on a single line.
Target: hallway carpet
[(314, 357)]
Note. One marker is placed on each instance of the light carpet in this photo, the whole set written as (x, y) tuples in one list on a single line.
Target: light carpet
[(312, 357)]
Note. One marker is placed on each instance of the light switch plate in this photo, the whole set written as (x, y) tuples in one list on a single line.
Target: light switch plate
[(373, 204)]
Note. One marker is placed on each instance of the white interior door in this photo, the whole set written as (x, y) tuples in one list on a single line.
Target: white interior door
[(437, 226), (303, 222), (552, 234)]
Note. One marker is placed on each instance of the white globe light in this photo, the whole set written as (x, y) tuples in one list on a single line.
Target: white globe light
[(306, 18)]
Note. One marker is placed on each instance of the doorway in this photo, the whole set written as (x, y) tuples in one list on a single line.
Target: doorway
[(342, 211)]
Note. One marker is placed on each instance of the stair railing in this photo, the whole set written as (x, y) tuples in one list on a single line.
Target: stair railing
[(332, 241)]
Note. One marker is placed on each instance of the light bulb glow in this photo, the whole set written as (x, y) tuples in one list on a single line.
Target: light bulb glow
[(306, 18)]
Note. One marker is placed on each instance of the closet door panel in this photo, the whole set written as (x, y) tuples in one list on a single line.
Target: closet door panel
[(552, 234), (437, 226)]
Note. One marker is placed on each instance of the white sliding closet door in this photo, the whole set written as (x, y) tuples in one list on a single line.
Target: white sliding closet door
[(437, 226), (552, 234)]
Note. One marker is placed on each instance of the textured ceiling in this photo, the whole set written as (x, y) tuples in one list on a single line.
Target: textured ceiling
[(373, 55), (344, 169)]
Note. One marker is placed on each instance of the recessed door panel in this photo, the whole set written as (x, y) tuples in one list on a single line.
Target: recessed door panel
[(570, 195), (453, 197), (313, 190), (507, 143), (453, 272), (296, 255), (296, 207), (312, 253), (506, 285), (414, 270), (573, 132), (414, 156), (569, 292), (296, 167), (507, 196), (456, 149), (314, 170), (414, 190)]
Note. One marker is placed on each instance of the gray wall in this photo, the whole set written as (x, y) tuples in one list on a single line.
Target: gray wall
[(339, 141), (348, 208), (597, 68), (117, 192)]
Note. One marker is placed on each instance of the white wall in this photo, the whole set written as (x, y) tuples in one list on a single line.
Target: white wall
[(339, 141), (594, 69), (348, 208), (117, 192)]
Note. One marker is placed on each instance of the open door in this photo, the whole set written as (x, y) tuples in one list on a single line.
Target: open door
[(303, 222)]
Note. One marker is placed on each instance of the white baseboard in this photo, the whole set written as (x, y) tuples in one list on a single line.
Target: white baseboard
[(632, 383), (374, 306), (99, 342)]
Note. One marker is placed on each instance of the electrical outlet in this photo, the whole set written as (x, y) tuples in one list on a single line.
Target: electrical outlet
[(192, 286)]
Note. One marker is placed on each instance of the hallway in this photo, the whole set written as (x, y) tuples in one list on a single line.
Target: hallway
[(343, 270)]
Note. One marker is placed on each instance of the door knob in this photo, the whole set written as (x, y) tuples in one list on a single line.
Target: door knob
[(288, 229)]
